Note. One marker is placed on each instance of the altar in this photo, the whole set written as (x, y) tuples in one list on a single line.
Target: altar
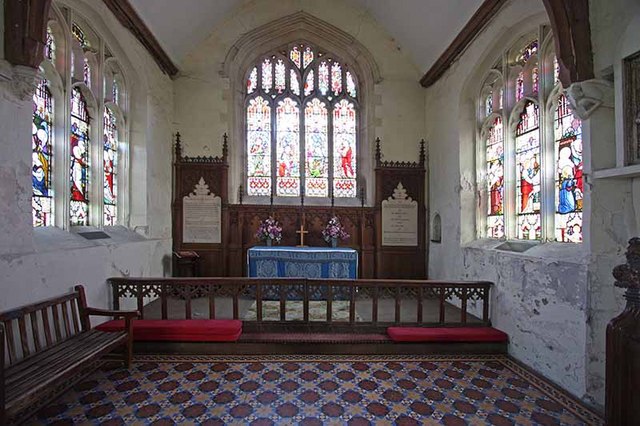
[(302, 262)]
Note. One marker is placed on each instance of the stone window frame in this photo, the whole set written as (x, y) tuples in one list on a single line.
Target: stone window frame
[(300, 27), (60, 80), (503, 75), (631, 99)]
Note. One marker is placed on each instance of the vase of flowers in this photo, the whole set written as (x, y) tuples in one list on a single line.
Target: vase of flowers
[(334, 231), (269, 231)]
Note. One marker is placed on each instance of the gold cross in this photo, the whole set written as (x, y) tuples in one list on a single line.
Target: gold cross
[(302, 232)]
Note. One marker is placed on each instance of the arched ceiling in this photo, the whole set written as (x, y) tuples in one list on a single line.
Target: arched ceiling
[(423, 28)]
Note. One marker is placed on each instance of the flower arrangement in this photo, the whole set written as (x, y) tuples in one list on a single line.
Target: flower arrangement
[(269, 230), (334, 231)]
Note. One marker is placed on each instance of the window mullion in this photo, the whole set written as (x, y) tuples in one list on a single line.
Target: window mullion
[(302, 147), (274, 146)]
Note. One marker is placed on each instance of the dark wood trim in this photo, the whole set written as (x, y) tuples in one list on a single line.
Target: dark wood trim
[(570, 25), (477, 22), (25, 28), (128, 17)]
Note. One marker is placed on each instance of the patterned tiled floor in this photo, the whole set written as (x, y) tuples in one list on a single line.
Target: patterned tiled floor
[(316, 390)]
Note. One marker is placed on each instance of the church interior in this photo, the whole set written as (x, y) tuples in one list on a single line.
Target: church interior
[(320, 212)]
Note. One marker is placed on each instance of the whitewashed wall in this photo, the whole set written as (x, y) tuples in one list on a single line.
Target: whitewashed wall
[(40, 263), (201, 94)]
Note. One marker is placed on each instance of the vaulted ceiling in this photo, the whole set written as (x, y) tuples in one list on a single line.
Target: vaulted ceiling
[(423, 28)]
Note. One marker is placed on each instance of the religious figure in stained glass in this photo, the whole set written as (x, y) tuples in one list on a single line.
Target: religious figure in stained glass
[(42, 153), (110, 165), (291, 148), (495, 179), (569, 173), (79, 165), (528, 168)]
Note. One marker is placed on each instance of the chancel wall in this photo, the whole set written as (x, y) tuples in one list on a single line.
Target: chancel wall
[(44, 262)]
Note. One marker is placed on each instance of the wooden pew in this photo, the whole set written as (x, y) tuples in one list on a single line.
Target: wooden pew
[(50, 346)]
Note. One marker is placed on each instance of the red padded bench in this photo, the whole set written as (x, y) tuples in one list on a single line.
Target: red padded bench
[(446, 334), (198, 330)]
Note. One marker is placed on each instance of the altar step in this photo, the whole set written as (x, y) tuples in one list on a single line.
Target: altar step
[(266, 343)]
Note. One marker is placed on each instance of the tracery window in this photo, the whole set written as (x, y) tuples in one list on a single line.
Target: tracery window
[(301, 139), (539, 125), (87, 155)]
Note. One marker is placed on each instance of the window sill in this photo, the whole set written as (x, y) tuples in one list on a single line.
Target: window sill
[(626, 172), (51, 238), (548, 251)]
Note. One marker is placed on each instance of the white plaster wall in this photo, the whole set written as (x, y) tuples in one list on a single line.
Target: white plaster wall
[(540, 297), (202, 94), (40, 263)]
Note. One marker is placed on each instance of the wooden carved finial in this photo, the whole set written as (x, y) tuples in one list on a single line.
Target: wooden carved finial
[(628, 274), (178, 147), (378, 153), (225, 147), (422, 153)]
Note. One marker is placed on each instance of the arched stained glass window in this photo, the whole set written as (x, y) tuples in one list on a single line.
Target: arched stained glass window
[(42, 156), (488, 104), (495, 179), (79, 153), (301, 122), (528, 173), (569, 179), (110, 165), (520, 86)]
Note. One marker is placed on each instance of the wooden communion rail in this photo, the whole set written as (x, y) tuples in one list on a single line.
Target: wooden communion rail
[(385, 302)]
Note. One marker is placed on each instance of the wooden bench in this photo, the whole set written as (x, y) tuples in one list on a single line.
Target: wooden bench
[(50, 346)]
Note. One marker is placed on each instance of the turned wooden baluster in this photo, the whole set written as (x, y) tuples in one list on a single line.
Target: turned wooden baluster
[(623, 346)]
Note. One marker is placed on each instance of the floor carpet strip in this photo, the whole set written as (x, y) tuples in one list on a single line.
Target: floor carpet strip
[(317, 390)]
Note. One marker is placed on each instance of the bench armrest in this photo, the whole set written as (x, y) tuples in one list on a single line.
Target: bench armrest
[(110, 313)]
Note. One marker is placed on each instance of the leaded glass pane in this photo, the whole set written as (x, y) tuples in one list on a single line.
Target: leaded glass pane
[(50, 46), (323, 78), (528, 51), (317, 149), (351, 85), (495, 180), (307, 56), (288, 148), (252, 81), (520, 86), (115, 92), (280, 76), (294, 83), (528, 169), (501, 98), (308, 84), (41, 154), (110, 163), (86, 73), (259, 147), (488, 104), (267, 75), (569, 174), (535, 79), (556, 71), (344, 149), (336, 79), (295, 56), (79, 35), (79, 167)]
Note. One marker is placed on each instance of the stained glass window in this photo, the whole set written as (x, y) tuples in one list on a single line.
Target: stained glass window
[(288, 148), (488, 104), (110, 166), (528, 173), (556, 71), (528, 51), (317, 149), (301, 137), (259, 147), (42, 155), (79, 35), (344, 149), (79, 153), (50, 46), (495, 179), (569, 178), (520, 86), (501, 98), (535, 79), (86, 72), (115, 92)]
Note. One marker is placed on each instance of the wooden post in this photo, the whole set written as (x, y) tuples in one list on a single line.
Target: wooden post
[(622, 403)]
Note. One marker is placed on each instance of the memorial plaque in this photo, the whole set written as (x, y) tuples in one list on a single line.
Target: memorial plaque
[(201, 216), (399, 219)]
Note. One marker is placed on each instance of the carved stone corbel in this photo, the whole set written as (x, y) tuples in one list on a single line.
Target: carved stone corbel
[(587, 96), (20, 82)]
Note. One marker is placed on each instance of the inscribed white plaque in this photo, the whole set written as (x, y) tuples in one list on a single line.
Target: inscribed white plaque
[(201, 216), (399, 219)]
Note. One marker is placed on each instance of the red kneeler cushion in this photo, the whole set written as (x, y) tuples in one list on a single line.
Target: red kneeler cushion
[(446, 334), (199, 330)]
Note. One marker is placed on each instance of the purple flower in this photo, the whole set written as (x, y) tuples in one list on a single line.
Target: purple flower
[(334, 229), (269, 229)]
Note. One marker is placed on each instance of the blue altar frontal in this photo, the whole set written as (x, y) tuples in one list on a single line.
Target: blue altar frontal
[(302, 262)]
